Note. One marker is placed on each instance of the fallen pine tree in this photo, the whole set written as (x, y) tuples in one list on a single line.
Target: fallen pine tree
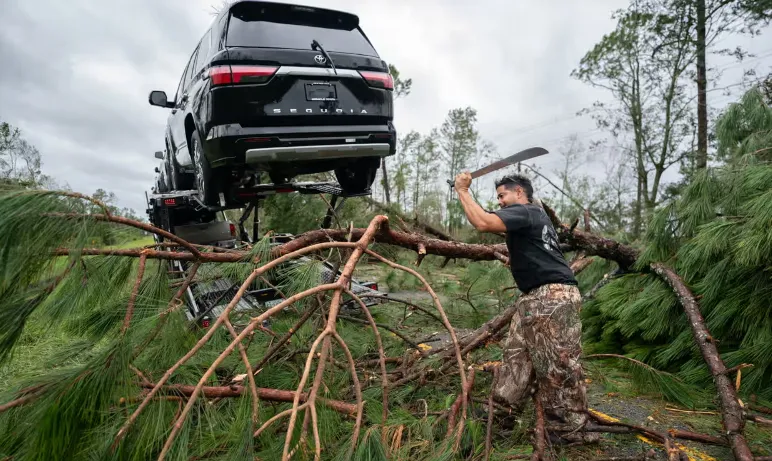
[(111, 391)]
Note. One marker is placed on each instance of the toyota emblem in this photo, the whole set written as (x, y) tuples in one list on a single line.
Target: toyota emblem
[(320, 59)]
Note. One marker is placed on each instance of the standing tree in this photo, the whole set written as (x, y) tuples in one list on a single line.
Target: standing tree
[(406, 149), (713, 19), (20, 161), (401, 89), (424, 167), (458, 140), (647, 77)]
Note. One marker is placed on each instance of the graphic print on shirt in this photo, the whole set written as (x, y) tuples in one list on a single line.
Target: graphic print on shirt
[(550, 239)]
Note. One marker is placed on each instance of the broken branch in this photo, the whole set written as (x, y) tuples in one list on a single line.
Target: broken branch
[(445, 321), (381, 353), (404, 338), (134, 292), (580, 264), (387, 297), (453, 411), (273, 395), (622, 428), (239, 294), (283, 340)]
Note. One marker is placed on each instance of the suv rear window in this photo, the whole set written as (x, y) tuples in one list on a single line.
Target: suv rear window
[(284, 26)]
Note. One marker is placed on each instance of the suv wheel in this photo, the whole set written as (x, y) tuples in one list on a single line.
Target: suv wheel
[(206, 179), (357, 177)]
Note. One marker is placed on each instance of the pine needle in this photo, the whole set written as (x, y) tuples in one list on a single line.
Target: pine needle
[(649, 378)]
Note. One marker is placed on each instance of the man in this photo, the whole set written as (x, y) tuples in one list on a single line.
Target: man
[(542, 347)]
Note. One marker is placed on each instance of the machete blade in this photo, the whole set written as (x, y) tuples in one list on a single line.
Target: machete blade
[(512, 159)]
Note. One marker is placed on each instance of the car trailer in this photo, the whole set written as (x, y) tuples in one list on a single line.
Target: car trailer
[(182, 213)]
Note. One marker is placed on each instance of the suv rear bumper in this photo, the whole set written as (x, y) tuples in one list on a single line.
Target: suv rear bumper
[(316, 152), (234, 144)]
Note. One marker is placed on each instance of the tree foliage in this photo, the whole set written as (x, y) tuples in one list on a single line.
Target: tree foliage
[(20, 161), (716, 235), (647, 75), (417, 175)]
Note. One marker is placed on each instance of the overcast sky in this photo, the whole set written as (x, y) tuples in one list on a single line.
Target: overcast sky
[(75, 75)]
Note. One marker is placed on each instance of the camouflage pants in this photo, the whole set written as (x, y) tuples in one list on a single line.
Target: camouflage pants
[(542, 348)]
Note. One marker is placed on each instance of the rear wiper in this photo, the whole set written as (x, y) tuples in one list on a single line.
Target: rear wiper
[(316, 45)]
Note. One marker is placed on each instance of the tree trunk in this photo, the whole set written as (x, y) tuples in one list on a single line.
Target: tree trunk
[(449, 249), (702, 102), (386, 190), (638, 209), (731, 411)]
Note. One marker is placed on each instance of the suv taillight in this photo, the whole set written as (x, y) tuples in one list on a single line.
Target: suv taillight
[(378, 79), (226, 75)]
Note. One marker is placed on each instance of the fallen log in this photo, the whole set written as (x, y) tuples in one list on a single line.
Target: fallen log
[(274, 395), (631, 429), (416, 242), (591, 244), (731, 411), (433, 246)]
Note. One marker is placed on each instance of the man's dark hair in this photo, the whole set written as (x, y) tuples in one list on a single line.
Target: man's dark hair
[(514, 180)]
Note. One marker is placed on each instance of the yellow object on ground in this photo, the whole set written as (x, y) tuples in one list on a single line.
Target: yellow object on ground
[(692, 453)]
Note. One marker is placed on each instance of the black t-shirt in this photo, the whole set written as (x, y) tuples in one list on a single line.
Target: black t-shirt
[(534, 252)]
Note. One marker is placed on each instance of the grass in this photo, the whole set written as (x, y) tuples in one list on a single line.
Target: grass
[(136, 243), (40, 340)]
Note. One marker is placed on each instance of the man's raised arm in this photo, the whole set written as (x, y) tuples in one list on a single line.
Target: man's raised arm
[(477, 216)]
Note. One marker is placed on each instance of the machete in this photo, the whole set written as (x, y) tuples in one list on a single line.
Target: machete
[(512, 159)]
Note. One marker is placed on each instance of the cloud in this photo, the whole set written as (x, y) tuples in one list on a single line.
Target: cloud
[(76, 75)]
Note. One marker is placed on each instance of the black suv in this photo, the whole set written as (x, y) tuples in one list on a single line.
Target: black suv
[(281, 89)]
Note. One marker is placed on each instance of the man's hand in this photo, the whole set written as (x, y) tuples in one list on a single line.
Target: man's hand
[(463, 181)]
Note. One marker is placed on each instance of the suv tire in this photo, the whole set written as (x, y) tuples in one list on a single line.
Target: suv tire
[(206, 179), (358, 176)]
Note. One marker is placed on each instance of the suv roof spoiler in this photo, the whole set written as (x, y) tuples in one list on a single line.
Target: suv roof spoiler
[(257, 10)]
